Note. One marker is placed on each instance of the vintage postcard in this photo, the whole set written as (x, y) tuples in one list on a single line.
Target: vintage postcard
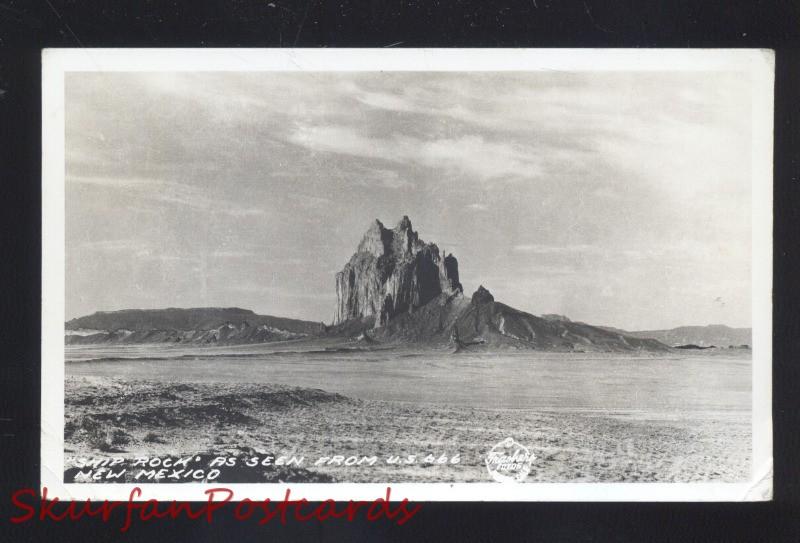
[(501, 275)]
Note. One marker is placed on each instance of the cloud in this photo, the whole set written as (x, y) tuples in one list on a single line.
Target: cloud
[(670, 256), (388, 101), (170, 192), (114, 245), (256, 289), (138, 249), (471, 154), (388, 179), (232, 254), (164, 258), (308, 201), (535, 248), (478, 207)]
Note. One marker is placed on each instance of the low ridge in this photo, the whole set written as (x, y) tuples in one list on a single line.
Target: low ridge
[(194, 325)]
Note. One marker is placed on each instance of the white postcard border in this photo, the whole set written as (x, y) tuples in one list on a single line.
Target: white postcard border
[(56, 62)]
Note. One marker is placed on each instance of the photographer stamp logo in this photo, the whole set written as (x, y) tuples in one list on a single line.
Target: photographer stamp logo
[(509, 461)]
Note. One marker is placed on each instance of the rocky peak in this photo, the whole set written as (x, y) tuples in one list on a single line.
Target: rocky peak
[(393, 271), (405, 242), (404, 224), (376, 240), (482, 296)]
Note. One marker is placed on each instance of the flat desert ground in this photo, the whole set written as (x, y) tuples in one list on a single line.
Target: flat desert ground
[(587, 417)]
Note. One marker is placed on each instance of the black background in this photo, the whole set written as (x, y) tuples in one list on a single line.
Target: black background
[(26, 26)]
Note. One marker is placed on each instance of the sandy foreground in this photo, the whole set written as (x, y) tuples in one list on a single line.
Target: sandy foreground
[(109, 418)]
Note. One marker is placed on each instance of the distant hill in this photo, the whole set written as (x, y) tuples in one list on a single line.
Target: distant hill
[(718, 335), (194, 325)]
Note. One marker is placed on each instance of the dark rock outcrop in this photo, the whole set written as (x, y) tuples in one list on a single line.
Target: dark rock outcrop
[(392, 272), (482, 296)]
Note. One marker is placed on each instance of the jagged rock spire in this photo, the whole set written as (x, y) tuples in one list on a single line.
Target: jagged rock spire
[(391, 272)]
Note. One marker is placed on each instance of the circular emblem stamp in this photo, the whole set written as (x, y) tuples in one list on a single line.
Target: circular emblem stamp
[(509, 461)]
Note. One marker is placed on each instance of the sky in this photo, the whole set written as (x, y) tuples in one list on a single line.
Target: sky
[(614, 198)]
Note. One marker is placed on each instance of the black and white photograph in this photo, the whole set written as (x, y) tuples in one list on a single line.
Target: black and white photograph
[(487, 275)]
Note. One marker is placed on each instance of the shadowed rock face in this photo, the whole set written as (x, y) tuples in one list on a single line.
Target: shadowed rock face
[(393, 271), (482, 296)]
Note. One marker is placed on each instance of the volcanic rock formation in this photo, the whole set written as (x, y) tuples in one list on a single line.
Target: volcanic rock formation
[(392, 272), (410, 294)]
